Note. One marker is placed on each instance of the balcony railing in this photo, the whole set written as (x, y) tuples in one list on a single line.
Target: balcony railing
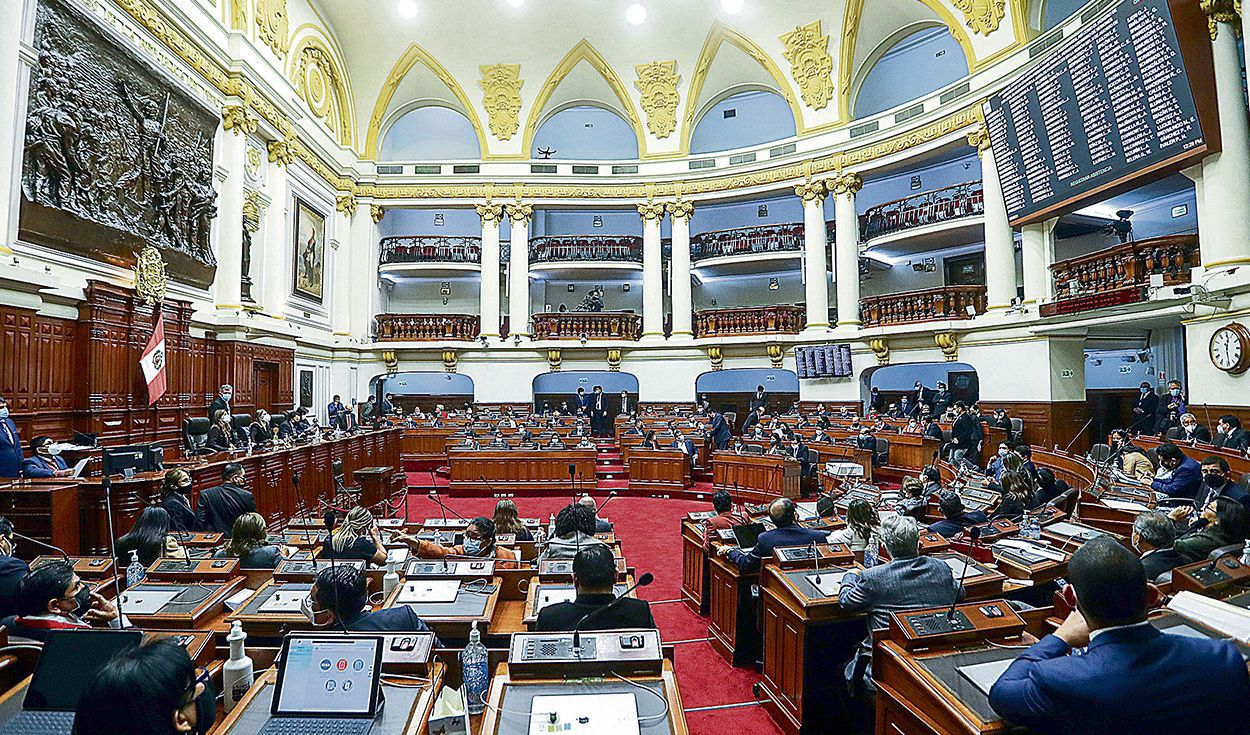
[(621, 249), (1125, 268), (617, 325), (750, 320), (925, 208), (930, 304), (747, 241), (430, 249), (427, 327)]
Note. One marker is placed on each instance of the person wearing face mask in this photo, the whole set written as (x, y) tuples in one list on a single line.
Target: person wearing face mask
[(47, 461), (1172, 407), (220, 506), (153, 688), (221, 435), (1216, 483), (222, 401), (339, 599), (1231, 435), (1223, 522), (995, 468), (940, 400), (1144, 410), (1190, 430), (11, 455), (12, 569), (1153, 537), (52, 597), (479, 541), (262, 430), (176, 499)]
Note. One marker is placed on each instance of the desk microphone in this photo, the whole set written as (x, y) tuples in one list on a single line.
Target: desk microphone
[(331, 521), (572, 482), (437, 499), (816, 558), (611, 495), (646, 579), (974, 533), (485, 482), (37, 542)]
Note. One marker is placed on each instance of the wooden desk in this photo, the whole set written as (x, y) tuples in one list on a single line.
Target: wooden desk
[(194, 607), (694, 567), (272, 624), (758, 478), (830, 452), (451, 621), (731, 611), (45, 510), (519, 470), (981, 582), (911, 451), (657, 470)]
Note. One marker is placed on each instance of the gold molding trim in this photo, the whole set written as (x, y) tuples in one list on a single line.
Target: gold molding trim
[(1222, 11), (948, 343), (489, 212), (501, 97), (716, 358), (776, 355), (657, 84), (377, 212), (450, 360), (614, 360), (982, 16), (651, 211), (520, 212), (319, 81), (680, 209), (810, 191), (345, 203), (811, 67), (282, 152), (553, 360), (848, 183), (235, 118), (881, 349), (273, 26)]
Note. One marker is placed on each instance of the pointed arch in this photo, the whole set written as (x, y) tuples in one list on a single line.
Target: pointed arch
[(412, 56), (717, 35), (583, 51)]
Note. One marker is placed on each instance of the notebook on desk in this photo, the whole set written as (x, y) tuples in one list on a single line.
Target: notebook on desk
[(747, 535)]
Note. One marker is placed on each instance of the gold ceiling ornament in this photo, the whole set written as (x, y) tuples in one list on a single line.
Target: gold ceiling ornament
[(680, 209), (715, 357), (235, 118), (391, 362), (982, 16), (881, 349), (811, 67), (810, 191), (501, 96), (651, 211), (657, 83), (554, 360), (346, 203), (450, 360), (1222, 11), (776, 355), (282, 152), (520, 212), (614, 360), (319, 83), (150, 278), (238, 15), (272, 25), (848, 183), (377, 212), (979, 138), (948, 343), (252, 210), (489, 212)]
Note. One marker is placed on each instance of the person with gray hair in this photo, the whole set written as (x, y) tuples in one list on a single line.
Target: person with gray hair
[(1153, 536), (907, 582), (601, 525)]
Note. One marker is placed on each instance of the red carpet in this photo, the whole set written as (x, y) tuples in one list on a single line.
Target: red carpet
[(650, 530)]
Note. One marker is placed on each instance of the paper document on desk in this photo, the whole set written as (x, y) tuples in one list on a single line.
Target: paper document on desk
[(80, 465), (957, 567), (283, 601), (429, 591), (1230, 620), (398, 555), (830, 582), (584, 714), (1125, 505), (984, 675), (1038, 549), (552, 597), (1070, 530)]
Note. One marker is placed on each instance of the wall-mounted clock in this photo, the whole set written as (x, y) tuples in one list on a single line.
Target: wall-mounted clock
[(1230, 348)]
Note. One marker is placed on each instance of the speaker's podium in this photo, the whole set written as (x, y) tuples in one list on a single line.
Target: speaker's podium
[(610, 681)]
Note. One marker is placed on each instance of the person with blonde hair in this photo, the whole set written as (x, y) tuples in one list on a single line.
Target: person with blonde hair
[(356, 537), (508, 520), (249, 543), (862, 523)]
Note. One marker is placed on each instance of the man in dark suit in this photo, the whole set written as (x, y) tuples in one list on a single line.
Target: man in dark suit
[(931, 428), (222, 401), (1132, 678), (781, 512), (954, 517), (1153, 536), (599, 412), (720, 433), (905, 408), (339, 599), (921, 394), (11, 454), (1144, 410), (581, 403), (46, 461), (940, 400), (965, 435), (876, 401), (333, 409), (220, 506), (686, 446), (759, 401), (12, 570), (594, 578), (1190, 430), (800, 452), (1186, 473), (1231, 435), (624, 407)]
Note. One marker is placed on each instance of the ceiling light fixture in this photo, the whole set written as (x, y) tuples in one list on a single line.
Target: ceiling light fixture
[(407, 8), (733, 7), (636, 14)]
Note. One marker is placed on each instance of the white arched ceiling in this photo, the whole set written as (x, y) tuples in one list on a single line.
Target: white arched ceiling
[(916, 61), (428, 130), (587, 130)]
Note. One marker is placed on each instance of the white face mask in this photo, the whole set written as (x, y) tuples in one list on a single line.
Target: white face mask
[(1002, 452), (305, 606)]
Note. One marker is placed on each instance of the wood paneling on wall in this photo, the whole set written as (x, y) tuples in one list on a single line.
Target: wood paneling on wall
[(1048, 424)]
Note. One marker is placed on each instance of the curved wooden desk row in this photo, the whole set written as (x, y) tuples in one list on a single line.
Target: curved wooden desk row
[(521, 470)]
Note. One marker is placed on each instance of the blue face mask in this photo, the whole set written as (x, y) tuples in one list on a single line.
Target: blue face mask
[(1175, 391), (472, 546), (4, 412)]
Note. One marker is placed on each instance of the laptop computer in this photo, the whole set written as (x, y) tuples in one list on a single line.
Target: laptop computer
[(747, 534), (327, 685), (70, 659)]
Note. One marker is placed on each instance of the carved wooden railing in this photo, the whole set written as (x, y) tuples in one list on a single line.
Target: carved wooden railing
[(621, 248), (924, 208), (620, 325), (1127, 266), (427, 327), (750, 320), (944, 302), (747, 241), (430, 249)]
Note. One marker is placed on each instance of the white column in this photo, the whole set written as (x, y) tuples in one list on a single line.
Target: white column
[(519, 269), (276, 274), (652, 272), (846, 247), (815, 243), (362, 293), (15, 33), (1037, 242), (1226, 175), (679, 268), (228, 228), (489, 298), (341, 276), (1000, 255)]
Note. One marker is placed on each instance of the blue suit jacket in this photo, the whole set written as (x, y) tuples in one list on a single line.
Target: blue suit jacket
[(10, 449), (769, 540), (720, 431), (1132, 680), (401, 619), (1184, 481), (37, 467)]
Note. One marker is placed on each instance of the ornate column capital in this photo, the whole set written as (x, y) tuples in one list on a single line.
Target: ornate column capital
[(979, 138), (680, 209), (1222, 11), (282, 152), (848, 183), (520, 212), (346, 203), (253, 210), (490, 212), (236, 118), (810, 190), (377, 212), (651, 211)]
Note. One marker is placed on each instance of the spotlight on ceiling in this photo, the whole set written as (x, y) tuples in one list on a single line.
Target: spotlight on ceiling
[(636, 14), (733, 7), (407, 8)]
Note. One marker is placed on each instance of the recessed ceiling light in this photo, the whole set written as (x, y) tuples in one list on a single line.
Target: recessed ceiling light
[(636, 14), (732, 6), (407, 8)]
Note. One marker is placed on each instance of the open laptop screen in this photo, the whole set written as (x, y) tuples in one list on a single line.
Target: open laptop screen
[(69, 660), (329, 676), (747, 534)]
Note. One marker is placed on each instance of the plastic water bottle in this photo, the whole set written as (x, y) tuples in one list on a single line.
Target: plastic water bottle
[(238, 674), (475, 669), (551, 525), (872, 552), (390, 580), (135, 572), (1245, 553)]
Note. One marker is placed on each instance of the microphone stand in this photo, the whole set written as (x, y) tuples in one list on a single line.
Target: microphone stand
[(643, 581), (1077, 435), (331, 522), (974, 533), (45, 545), (302, 507), (107, 484), (435, 497)]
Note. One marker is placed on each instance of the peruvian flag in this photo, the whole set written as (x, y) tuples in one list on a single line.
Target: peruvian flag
[(153, 362)]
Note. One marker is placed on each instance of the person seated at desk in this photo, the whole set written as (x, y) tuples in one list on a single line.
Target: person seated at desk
[(931, 429), (781, 512), (594, 579), (175, 499), (1186, 474), (862, 526), (1130, 458), (301, 423), (149, 539), (685, 445), (1153, 537), (1190, 430), (369, 409), (153, 688), (357, 537), (579, 430), (564, 409), (602, 525), (865, 439), (995, 468), (1000, 420), (334, 408), (1132, 678), (250, 544), (955, 518), (585, 443), (575, 529), (1230, 435), (649, 442), (221, 435), (1223, 522), (725, 518), (1015, 493), (903, 409), (470, 442), (262, 431), (822, 435), (912, 427), (52, 597), (46, 461), (479, 542), (915, 501), (508, 520), (219, 506), (1025, 452), (739, 446), (556, 443), (339, 599), (907, 582), (799, 452), (12, 569), (931, 479), (1049, 488), (1216, 483), (498, 442)]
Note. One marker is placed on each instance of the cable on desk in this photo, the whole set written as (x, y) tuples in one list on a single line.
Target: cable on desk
[(663, 699)]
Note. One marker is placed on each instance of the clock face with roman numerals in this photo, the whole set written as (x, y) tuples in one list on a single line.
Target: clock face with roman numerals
[(1230, 348)]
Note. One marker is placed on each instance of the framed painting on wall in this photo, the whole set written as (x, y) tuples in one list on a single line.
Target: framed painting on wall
[(309, 251)]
